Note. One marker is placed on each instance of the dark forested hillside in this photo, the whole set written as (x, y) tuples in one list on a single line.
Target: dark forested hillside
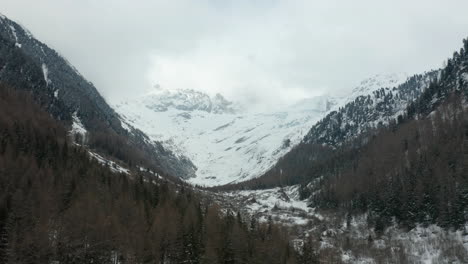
[(28, 64), (409, 169), (412, 173), (57, 204)]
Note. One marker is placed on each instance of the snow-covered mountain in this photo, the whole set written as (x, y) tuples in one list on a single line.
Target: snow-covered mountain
[(161, 100), (226, 142), (372, 103)]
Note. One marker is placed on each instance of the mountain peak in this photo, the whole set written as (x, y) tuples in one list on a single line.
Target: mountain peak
[(378, 81), (161, 100)]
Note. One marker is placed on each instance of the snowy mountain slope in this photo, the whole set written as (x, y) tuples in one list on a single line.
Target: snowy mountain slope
[(225, 142), (369, 106)]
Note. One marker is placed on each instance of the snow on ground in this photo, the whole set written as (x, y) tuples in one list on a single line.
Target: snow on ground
[(353, 243), (125, 125), (79, 129), (465, 76), (226, 143), (225, 147), (374, 83), (358, 244), (45, 72), (13, 31), (281, 204), (77, 126), (112, 165)]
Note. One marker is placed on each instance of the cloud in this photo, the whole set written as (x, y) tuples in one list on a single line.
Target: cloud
[(261, 52)]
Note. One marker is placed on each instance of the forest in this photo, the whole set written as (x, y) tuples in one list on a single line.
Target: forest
[(57, 205), (407, 172)]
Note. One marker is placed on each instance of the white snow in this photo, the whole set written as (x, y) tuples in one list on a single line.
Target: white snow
[(56, 92), (431, 244), (45, 72), (125, 125), (225, 145), (13, 31), (77, 126), (281, 204), (225, 142), (112, 165), (465, 76)]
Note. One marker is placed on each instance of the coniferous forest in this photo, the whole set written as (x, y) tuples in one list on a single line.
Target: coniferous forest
[(410, 171), (57, 204)]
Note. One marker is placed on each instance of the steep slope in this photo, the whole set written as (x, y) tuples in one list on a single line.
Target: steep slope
[(26, 63), (227, 143), (368, 110), (362, 113), (410, 169), (387, 172)]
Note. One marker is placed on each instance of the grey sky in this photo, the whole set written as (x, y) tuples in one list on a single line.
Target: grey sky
[(257, 51)]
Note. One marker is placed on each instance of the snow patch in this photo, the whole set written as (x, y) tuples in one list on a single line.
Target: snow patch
[(45, 72), (281, 204), (114, 167), (78, 127), (125, 124), (13, 31), (465, 76)]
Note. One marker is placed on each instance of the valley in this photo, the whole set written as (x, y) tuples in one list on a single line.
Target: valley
[(376, 173), (227, 142)]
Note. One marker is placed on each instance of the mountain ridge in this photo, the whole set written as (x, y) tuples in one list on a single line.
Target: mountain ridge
[(28, 64)]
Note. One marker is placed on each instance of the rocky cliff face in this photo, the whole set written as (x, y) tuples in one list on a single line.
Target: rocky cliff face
[(161, 100)]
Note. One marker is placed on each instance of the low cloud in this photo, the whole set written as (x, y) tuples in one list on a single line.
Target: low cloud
[(258, 52)]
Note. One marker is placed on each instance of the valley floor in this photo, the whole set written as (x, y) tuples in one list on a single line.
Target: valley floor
[(342, 240)]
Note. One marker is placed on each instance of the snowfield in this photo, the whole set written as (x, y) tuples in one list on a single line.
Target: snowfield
[(225, 146), (226, 142)]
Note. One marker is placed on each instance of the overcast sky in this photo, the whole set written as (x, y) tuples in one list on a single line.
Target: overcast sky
[(254, 51)]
